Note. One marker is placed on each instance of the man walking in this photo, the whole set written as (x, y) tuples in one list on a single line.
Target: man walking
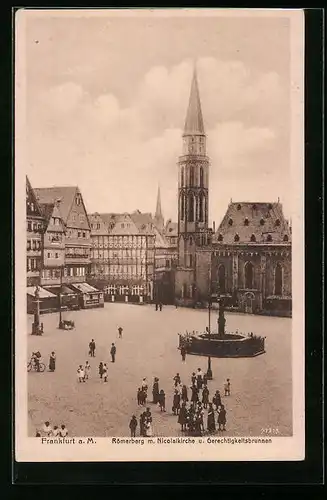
[(120, 332), (92, 348), (113, 352)]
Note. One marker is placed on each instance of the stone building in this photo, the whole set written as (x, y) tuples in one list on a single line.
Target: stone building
[(34, 234), (193, 198), (250, 260)]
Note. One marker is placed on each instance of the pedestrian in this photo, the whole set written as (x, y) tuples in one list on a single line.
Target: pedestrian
[(195, 394), (105, 373), (227, 387), (92, 348), (201, 415), (144, 385), (133, 426), (160, 306), (52, 362), (216, 400), (183, 352), (205, 379), (143, 397), (211, 425), (162, 400), (222, 419), (56, 431), (156, 306), (199, 379), (142, 424), (184, 394), (182, 417), (205, 397), (80, 374), (139, 396), (177, 379), (101, 369), (155, 390), (47, 429), (193, 378), (176, 403), (120, 332), (113, 352), (148, 415), (148, 428), (87, 369), (63, 431)]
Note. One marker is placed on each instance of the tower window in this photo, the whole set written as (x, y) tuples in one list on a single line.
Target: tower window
[(220, 237), (201, 208), (182, 177), (278, 279), (239, 207), (192, 175), (253, 237), (191, 208), (277, 223), (236, 238), (230, 222), (201, 176), (262, 222), (285, 238), (269, 237), (246, 221), (248, 275), (182, 206)]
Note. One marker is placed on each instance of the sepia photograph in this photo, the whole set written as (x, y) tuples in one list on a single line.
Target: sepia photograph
[(159, 246)]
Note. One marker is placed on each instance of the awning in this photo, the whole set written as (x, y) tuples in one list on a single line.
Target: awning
[(43, 293), (64, 289), (85, 288)]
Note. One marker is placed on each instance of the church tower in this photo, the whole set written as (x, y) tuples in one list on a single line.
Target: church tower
[(193, 179), (158, 217)]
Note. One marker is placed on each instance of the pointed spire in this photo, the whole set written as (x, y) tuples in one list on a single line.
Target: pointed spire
[(194, 121), (158, 215)]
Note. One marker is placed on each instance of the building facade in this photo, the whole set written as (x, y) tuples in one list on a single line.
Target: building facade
[(122, 256), (34, 237)]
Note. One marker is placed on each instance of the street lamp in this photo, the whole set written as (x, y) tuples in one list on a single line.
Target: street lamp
[(36, 330), (209, 370), (60, 292)]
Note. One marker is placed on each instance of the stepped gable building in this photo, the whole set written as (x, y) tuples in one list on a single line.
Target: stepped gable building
[(123, 247), (193, 197)]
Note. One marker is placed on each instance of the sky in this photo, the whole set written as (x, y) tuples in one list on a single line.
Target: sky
[(106, 100)]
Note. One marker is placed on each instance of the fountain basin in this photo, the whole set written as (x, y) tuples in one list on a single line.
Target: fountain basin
[(227, 346)]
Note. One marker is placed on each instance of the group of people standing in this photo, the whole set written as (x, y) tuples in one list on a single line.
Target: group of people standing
[(83, 372), (49, 431)]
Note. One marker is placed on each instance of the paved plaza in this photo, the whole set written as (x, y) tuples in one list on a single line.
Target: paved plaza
[(261, 387)]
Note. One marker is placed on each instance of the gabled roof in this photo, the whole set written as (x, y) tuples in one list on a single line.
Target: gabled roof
[(194, 120), (52, 210), (64, 194), (253, 220), (31, 193)]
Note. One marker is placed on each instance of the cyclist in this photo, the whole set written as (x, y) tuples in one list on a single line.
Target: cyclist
[(36, 356)]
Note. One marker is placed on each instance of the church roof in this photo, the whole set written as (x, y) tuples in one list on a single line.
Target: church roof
[(51, 195), (194, 120), (253, 222)]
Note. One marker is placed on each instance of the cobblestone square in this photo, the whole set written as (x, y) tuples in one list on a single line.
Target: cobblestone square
[(261, 387)]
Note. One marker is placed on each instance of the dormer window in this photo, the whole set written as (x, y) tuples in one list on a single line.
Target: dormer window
[(253, 238), (285, 238), (230, 222), (277, 223), (269, 206), (246, 221), (239, 207), (236, 238), (262, 221), (220, 237), (269, 237), (254, 207)]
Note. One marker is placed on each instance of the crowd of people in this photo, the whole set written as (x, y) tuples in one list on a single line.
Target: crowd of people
[(48, 431), (189, 404)]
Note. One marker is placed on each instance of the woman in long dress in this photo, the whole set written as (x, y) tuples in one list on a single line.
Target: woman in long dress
[(155, 390), (182, 417), (211, 425), (52, 362), (148, 429)]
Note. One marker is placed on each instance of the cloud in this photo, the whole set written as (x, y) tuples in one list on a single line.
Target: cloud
[(119, 154)]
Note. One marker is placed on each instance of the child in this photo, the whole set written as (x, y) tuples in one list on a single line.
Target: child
[(81, 374), (227, 387), (105, 372), (63, 431), (162, 400), (56, 431), (87, 369), (101, 369), (47, 429)]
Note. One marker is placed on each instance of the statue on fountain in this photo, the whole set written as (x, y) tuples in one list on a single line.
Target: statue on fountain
[(221, 319)]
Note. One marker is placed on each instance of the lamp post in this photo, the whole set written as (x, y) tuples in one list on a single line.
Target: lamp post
[(36, 330), (60, 291), (209, 370)]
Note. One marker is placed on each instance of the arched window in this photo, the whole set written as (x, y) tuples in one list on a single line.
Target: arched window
[(246, 221), (191, 175), (236, 238), (269, 237), (220, 237), (277, 223), (222, 278), (253, 237), (201, 208), (190, 207), (248, 275), (278, 279), (285, 238), (201, 176), (182, 206), (182, 177), (230, 222), (239, 207)]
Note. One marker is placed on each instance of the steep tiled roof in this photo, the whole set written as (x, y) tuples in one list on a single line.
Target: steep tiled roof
[(253, 222), (50, 195)]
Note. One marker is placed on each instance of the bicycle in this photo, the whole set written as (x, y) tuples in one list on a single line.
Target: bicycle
[(33, 366)]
